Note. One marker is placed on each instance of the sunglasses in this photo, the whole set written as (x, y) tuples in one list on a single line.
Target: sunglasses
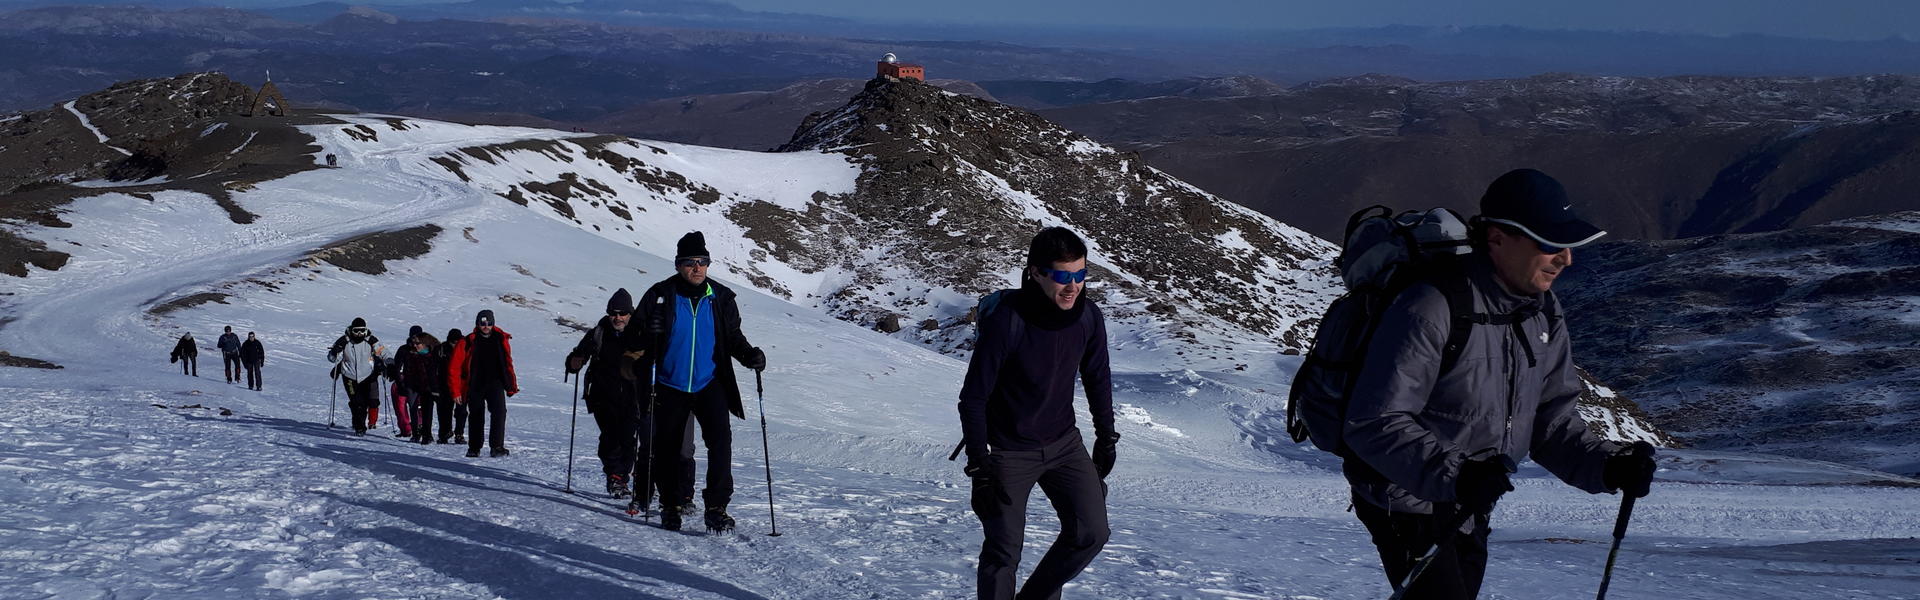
[(693, 262), (619, 313), (1065, 277), (1546, 248)]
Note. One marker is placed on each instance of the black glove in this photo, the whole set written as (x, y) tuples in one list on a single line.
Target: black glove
[(575, 362), (1105, 452), (1631, 470), (756, 360), (1481, 483), (988, 494)]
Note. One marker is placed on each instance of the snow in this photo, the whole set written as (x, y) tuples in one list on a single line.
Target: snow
[(110, 496), (87, 123)]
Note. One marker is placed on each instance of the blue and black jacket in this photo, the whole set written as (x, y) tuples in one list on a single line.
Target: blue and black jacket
[(691, 342)]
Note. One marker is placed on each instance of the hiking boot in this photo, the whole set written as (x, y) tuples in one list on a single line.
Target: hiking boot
[(403, 434), (718, 520), (360, 432), (617, 486), (498, 452), (459, 438), (473, 453), (670, 520)]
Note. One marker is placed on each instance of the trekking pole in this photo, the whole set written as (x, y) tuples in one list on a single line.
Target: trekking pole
[(643, 489), (572, 423), (1420, 564), (334, 403), (1619, 532), (766, 453)]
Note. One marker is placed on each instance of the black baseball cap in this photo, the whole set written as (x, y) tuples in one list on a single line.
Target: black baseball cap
[(1537, 205)]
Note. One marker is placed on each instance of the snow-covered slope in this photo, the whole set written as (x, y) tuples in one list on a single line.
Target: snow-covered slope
[(112, 496)]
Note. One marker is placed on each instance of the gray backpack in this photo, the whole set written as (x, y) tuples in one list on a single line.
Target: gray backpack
[(1383, 254)]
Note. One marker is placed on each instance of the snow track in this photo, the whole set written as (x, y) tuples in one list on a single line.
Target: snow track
[(110, 496)]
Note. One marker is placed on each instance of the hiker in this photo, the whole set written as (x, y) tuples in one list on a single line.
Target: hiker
[(187, 353), (424, 382), (1437, 446), (692, 336), (252, 357), (449, 410), (1016, 413), (480, 375), (229, 345), (357, 356), (401, 395), (623, 416)]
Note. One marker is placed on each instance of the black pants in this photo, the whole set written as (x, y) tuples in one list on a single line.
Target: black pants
[(1065, 473), (253, 376), (190, 365), (624, 430), (481, 399), (424, 403), (1403, 537), (675, 470), (459, 418), (361, 395), (230, 364)]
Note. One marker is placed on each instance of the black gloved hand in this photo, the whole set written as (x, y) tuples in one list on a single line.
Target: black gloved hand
[(1481, 483), (1105, 452), (1631, 470), (988, 494), (756, 360), (575, 362)]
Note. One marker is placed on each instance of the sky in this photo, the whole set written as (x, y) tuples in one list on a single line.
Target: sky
[(1841, 19)]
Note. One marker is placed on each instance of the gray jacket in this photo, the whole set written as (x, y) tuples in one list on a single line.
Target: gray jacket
[(1415, 426)]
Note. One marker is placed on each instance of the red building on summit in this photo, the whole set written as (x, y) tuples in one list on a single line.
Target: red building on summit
[(890, 66)]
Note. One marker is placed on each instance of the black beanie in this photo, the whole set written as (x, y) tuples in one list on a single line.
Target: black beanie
[(415, 330), (484, 318), (692, 244), (620, 302), (229, 329), (453, 334), (358, 322)]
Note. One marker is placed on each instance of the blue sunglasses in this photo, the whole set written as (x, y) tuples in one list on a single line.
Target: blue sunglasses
[(1065, 277)]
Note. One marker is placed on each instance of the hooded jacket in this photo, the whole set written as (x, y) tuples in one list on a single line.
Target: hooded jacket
[(185, 347), (359, 360), (1512, 391), (656, 313), (252, 352)]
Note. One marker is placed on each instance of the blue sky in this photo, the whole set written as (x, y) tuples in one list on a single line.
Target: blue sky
[(1846, 19)]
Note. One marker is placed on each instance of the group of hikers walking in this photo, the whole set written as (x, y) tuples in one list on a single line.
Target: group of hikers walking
[(1446, 363), (235, 356)]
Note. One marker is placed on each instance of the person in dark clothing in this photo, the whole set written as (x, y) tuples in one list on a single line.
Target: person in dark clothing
[(357, 356), (617, 406), (1434, 450), (1016, 413), (229, 345), (481, 376), (252, 357), (425, 381), (402, 397), (187, 353), (450, 411), (692, 336)]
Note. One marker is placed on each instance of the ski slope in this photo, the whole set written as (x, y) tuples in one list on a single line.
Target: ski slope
[(109, 496)]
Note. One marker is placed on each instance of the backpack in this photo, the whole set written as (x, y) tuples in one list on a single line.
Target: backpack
[(988, 303), (1383, 255)]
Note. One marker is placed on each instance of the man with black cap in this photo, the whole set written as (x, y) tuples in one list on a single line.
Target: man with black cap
[(1441, 445), (692, 335), (229, 345), (357, 356), (481, 377), (621, 407)]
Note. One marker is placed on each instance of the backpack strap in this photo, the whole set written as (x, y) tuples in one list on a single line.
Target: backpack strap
[(1459, 294)]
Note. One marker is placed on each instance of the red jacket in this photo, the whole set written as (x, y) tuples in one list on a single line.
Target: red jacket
[(460, 369)]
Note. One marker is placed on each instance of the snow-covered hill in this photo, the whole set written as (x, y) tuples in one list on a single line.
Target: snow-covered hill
[(251, 495)]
